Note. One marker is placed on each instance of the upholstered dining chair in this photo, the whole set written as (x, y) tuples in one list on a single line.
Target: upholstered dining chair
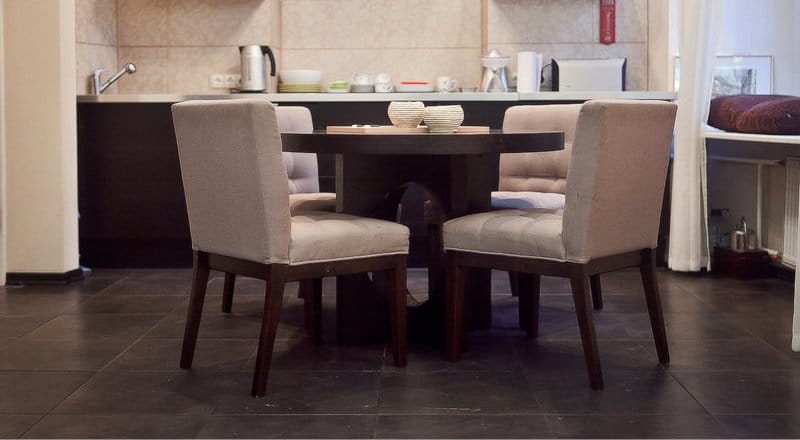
[(538, 180), (304, 195), (613, 196), (237, 199)]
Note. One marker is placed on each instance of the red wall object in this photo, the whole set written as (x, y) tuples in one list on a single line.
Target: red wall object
[(608, 19)]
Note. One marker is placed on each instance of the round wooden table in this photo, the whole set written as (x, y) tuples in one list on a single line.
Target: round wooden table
[(460, 171)]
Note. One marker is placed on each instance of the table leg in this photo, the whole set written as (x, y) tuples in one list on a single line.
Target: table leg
[(796, 315)]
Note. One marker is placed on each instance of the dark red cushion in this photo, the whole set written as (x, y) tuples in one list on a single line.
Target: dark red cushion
[(726, 109), (779, 116)]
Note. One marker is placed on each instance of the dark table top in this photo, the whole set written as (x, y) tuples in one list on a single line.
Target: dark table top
[(495, 141)]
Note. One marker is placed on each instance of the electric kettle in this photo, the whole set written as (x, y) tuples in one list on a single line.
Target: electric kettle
[(254, 75), (494, 72)]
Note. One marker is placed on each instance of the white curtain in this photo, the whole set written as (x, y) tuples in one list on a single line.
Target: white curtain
[(698, 27)]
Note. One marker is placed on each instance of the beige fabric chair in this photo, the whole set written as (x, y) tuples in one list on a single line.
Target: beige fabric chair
[(238, 205), (302, 168), (536, 180), (304, 195), (614, 191)]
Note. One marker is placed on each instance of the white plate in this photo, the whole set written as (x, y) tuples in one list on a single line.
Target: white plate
[(414, 88)]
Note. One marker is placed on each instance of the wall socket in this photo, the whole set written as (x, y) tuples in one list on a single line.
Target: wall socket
[(224, 81)]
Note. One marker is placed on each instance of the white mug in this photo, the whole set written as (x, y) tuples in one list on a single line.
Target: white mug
[(382, 77), (383, 87), (446, 84), (361, 79)]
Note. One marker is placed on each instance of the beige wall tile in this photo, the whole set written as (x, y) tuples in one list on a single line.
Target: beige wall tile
[(191, 67), (635, 71), (217, 22), (96, 22), (632, 21), (552, 21), (400, 64), (313, 24), (152, 70), (143, 22), (89, 57)]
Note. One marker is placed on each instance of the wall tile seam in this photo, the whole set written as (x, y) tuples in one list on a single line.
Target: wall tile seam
[(95, 44), (570, 42), (437, 48), (223, 46)]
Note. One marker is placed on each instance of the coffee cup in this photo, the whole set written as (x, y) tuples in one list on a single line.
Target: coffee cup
[(361, 79), (446, 84), (384, 87)]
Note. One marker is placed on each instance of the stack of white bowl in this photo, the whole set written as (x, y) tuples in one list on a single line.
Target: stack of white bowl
[(406, 114), (443, 118)]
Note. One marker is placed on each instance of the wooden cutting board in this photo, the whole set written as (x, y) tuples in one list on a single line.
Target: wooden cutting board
[(390, 129)]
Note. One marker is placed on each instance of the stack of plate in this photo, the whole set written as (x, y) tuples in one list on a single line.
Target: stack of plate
[(299, 87), (443, 118), (406, 114)]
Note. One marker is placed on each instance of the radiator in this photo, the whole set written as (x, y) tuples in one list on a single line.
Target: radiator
[(790, 251)]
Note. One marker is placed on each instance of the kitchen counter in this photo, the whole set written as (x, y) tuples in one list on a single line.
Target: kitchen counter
[(382, 97), (130, 193)]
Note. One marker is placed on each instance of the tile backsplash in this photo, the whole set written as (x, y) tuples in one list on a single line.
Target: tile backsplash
[(178, 44)]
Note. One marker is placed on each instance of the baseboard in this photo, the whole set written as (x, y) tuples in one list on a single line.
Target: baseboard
[(44, 277)]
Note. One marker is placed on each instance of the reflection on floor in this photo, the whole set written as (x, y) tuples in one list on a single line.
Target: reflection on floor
[(100, 359)]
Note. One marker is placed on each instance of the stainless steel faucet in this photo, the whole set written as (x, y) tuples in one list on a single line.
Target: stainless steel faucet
[(98, 88)]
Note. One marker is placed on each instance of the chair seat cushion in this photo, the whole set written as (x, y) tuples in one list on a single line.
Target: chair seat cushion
[(318, 201), (534, 233), (326, 236), (527, 200)]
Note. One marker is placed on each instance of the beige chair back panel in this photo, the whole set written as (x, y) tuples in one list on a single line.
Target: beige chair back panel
[(234, 178), (300, 167), (542, 172), (616, 179)]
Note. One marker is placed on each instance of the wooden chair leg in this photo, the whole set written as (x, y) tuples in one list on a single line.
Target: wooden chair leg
[(312, 305), (398, 312), (653, 298), (583, 310), (200, 271), (529, 289), (597, 292), (273, 298), (455, 307), (513, 281), (227, 292)]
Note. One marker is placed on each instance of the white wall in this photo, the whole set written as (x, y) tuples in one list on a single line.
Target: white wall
[(40, 128), (2, 159), (765, 27)]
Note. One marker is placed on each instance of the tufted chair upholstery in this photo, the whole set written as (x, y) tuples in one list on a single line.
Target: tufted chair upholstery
[(536, 180), (237, 200), (301, 168), (614, 190)]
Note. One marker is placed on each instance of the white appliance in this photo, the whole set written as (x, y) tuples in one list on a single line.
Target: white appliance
[(529, 71), (583, 75)]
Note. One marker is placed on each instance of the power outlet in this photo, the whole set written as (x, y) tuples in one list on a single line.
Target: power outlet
[(232, 80), (217, 81), (224, 81)]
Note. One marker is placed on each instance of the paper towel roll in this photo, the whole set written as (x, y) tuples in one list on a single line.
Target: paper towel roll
[(529, 66)]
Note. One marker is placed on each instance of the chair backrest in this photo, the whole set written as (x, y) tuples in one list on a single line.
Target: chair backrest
[(234, 178), (542, 172), (616, 178), (300, 167)]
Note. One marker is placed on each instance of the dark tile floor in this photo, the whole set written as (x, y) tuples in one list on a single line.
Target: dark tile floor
[(99, 358)]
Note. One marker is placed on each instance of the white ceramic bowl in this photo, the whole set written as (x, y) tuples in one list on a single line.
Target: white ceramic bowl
[(406, 114), (300, 76), (443, 118)]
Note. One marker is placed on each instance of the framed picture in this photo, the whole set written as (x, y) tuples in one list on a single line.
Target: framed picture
[(736, 75)]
